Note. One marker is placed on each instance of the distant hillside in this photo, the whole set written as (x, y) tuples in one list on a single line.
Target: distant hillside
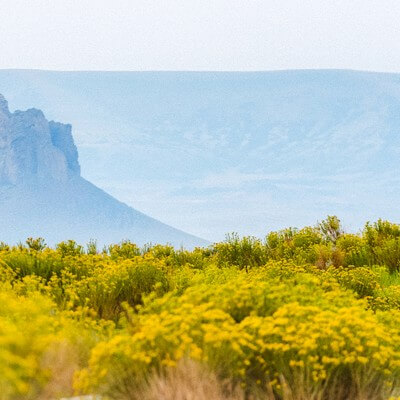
[(219, 152), (43, 194)]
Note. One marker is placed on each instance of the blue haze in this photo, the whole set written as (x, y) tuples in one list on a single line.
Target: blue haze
[(211, 153)]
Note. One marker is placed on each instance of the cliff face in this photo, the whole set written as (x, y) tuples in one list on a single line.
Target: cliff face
[(32, 148), (42, 192)]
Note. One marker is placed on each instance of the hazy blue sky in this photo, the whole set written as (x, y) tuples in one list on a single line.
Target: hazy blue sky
[(200, 34)]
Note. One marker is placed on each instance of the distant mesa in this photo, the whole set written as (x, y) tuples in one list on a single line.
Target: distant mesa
[(43, 194), (33, 148)]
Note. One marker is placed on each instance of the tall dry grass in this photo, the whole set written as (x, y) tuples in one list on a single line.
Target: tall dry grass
[(188, 381), (61, 361)]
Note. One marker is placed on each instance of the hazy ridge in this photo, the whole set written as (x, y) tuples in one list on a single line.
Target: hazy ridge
[(217, 152)]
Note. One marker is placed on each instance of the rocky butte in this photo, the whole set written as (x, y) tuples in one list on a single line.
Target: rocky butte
[(43, 194)]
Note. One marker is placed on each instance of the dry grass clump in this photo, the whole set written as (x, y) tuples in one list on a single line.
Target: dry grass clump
[(189, 381), (61, 360)]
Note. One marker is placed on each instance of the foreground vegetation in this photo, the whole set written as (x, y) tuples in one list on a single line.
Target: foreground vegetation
[(304, 314)]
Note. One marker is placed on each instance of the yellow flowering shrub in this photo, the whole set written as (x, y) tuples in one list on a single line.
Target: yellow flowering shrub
[(362, 280), (349, 348), (310, 313), (153, 341), (108, 284), (31, 330), (254, 329)]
